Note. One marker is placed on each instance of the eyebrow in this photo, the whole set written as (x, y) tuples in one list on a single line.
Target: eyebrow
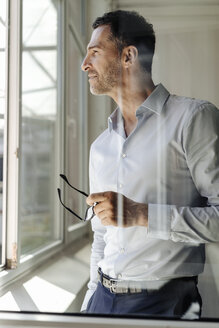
[(100, 46)]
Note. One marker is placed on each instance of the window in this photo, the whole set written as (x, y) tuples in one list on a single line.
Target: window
[(3, 104), (32, 66), (76, 134), (31, 60), (40, 121)]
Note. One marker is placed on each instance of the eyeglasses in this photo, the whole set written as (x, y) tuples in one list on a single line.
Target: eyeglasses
[(89, 214)]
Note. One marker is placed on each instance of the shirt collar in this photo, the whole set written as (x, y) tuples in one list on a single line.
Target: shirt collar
[(115, 120), (154, 103)]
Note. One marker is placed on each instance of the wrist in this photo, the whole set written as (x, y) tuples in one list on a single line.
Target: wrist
[(143, 215)]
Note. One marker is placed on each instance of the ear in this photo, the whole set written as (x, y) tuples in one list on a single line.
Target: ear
[(129, 56)]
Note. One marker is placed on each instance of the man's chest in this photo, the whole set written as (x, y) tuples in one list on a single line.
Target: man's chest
[(148, 166)]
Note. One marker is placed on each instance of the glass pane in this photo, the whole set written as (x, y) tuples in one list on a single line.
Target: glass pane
[(74, 146), (3, 32), (39, 149), (40, 23), (75, 12)]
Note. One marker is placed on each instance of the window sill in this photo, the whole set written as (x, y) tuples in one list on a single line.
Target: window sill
[(58, 285), (30, 262)]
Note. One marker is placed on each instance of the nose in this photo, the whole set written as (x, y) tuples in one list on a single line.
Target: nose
[(85, 64)]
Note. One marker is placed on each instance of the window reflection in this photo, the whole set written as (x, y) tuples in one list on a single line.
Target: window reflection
[(39, 225)]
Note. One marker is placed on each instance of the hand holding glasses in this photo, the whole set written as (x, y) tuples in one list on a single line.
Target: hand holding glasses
[(89, 214)]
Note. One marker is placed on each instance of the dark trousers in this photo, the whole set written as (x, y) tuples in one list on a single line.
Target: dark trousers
[(178, 298)]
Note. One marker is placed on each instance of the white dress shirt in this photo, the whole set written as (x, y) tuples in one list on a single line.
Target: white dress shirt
[(170, 162)]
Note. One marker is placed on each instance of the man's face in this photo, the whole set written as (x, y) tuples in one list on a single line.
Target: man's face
[(102, 62)]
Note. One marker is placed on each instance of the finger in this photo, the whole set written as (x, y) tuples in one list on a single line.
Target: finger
[(103, 217), (106, 217), (102, 214), (96, 198), (103, 206)]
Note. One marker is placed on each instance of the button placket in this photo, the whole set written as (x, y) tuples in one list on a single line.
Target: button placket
[(122, 250), (120, 170)]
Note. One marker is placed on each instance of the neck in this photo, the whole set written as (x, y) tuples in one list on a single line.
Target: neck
[(129, 97)]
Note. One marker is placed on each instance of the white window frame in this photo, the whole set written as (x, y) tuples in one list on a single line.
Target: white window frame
[(12, 162), (3, 255), (14, 64), (79, 229)]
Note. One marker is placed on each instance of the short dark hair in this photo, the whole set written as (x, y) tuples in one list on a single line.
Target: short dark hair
[(130, 28)]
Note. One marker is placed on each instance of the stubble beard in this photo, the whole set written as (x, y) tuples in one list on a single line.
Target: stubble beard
[(105, 83)]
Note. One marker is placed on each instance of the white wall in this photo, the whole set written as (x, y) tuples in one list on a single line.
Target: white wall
[(186, 59)]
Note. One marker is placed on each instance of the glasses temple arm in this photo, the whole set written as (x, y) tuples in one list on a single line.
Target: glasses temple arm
[(67, 208), (66, 180)]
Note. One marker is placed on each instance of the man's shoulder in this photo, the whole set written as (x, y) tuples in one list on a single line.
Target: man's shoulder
[(190, 106), (188, 102)]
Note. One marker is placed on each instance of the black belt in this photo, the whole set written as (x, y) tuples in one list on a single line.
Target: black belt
[(115, 285)]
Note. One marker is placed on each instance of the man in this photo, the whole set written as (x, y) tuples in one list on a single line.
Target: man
[(154, 180)]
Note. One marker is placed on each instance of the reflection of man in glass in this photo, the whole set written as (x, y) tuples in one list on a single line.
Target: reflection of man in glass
[(154, 175)]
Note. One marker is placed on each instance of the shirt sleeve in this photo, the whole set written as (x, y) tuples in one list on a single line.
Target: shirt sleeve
[(194, 224), (98, 245)]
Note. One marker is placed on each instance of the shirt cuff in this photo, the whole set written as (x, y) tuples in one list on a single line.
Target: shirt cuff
[(159, 221)]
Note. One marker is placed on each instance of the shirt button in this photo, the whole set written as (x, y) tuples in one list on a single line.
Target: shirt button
[(119, 276), (124, 155), (122, 250), (120, 185)]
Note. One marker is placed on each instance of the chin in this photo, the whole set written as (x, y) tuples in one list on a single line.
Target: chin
[(96, 92)]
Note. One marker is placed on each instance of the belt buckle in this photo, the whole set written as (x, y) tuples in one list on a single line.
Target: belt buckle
[(112, 286), (115, 289)]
